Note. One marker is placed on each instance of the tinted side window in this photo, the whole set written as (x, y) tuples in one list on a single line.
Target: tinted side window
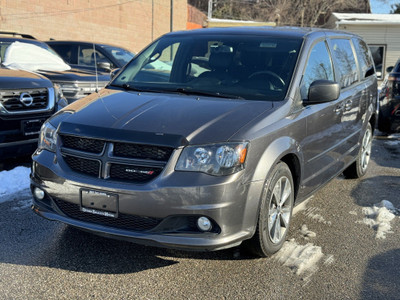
[(364, 57), (319, 66), (346, 61), (87, 56), (67, 52)]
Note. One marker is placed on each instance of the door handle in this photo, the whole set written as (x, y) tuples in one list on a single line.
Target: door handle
[(338, 109), (348, 105)]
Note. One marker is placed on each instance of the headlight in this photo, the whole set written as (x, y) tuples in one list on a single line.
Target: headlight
[(60, 100), (68, 88), (47, 137), (215, 159)]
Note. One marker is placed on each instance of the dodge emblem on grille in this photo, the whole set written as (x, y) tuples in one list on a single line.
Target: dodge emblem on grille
[(139, 171), (26, 99)]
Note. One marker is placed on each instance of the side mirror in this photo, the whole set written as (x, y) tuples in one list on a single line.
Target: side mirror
[(104, 65), (389, 69), (321, 91), (114, 72), (371, 71)]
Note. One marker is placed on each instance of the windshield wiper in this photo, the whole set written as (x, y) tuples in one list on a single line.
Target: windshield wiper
[(129, 87), (205, 93)]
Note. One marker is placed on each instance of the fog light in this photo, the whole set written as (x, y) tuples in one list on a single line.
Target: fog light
[(39, 193), (204, 224)]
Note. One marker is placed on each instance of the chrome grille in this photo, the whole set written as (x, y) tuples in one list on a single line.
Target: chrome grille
[(10, 99)]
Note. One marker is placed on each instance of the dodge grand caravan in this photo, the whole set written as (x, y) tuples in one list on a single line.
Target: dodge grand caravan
[(214, 144)]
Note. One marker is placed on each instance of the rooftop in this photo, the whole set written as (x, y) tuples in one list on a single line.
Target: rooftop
[(351, 18)]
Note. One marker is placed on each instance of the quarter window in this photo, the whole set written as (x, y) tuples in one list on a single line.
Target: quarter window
[(319, 67), (364, 57), (378, 54), (346, 62)]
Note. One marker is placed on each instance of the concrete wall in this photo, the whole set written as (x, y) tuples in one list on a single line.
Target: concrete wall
[(129, 23)]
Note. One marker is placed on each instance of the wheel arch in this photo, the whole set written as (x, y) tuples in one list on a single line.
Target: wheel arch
[(283, 149)]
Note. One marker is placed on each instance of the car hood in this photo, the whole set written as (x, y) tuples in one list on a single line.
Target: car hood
[(74, 75), (15, 79), (159, 118)]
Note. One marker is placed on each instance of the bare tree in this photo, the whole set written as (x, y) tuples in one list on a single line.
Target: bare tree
[(283, 12)]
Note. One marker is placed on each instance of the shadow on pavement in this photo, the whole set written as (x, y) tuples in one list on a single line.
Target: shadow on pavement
[(386, 151), (373, 190), (27, 239), (11, 163), (381, 277)]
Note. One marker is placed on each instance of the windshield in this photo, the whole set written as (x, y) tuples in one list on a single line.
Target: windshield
[(121, 55), (32, 57), (236, 66)]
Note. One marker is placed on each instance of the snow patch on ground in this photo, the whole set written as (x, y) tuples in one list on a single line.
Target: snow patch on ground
[(313, 214), (302, 259), (14, 186), (379, 217), (353, 213), (307, 234)]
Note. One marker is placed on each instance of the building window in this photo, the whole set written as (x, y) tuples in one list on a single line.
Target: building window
[(378, 55)]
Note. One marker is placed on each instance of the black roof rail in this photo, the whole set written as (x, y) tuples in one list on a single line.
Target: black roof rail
[(23, 35)]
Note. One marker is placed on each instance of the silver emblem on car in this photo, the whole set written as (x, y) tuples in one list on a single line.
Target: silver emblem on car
[(26, 99)]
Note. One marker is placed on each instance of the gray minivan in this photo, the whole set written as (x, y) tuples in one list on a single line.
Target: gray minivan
[(208, 138)]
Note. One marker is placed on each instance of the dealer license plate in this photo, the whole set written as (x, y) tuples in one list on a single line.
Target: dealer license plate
[(99, 203)]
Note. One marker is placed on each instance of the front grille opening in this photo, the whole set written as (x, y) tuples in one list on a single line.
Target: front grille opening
[(83, 144), (142, 151), (134, 174), (118, 161), (123, 221), (83, 165)]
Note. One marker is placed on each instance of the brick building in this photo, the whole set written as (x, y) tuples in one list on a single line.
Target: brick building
[(128, 23)]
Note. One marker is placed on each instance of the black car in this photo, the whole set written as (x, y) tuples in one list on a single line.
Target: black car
[(389, 101), (85, 55), (26, 101), (74, 83)]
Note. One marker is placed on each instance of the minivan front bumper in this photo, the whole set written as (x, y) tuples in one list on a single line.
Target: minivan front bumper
[(166, 208)]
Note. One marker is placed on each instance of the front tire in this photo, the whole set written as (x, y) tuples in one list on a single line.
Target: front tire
[(275, 212), (360, 166)]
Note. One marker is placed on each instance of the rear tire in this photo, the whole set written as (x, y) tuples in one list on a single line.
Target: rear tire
[(360, 166), (275, 213)]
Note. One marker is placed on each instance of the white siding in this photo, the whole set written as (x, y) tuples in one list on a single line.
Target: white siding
[(388, 35)]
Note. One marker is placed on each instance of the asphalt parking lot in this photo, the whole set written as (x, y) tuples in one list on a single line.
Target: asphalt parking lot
[(336, 252)]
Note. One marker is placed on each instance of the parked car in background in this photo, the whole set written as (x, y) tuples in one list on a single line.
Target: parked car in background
[(389, 101), (86, 56), (26, 101), (213, 145), (25, 53)]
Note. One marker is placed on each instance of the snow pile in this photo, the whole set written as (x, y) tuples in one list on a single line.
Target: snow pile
[(379, 217), (303, 260), (13, 181)]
